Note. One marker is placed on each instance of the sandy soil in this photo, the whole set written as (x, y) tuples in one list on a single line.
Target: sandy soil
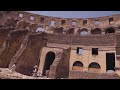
[(6, 73)]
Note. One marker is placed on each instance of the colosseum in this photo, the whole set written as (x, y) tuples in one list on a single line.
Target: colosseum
[(73, 48)]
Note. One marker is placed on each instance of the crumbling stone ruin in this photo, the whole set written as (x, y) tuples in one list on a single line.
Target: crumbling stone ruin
[(74, 48)]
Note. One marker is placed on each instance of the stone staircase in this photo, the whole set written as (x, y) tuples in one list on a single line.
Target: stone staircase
[(19, 52)]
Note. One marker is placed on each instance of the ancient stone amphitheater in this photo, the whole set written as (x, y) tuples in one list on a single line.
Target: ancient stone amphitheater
[(74, 48)]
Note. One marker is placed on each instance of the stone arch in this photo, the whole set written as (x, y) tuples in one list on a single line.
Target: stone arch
[(33, 27), (27, 26), (14, 22), (96, 31), (20, 15), (32, 18), (110, 30), (7, 23), (82, 32), (40, 29), (77, 65), (67, 27), (58, 30), (21, 24), (11, 22), (70, 31), (50, 57), (74, 23), (64, 21), (94, 67)]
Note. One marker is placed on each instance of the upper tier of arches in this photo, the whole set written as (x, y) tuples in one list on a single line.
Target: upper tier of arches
[(56, 25)]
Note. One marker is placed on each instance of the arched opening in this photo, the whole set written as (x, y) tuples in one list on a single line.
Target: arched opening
[(96, 31), (40, 29), (42, 20), (74, 23), (111, 20), (83, 32), (97, 22), (94, 67), (11, 22), (52, 23), (50, 56), (32, 18), (77, 65), (63, 22), (58, 30), (110, 30), (84, 22), (70, 31), (21, 24), (20, 15)]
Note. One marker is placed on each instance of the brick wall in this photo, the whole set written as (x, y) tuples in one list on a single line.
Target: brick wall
[(30, 56), (90, 75), (77, 68), (3, 34), (63, 67), (118, 45), (104, 21), (100, 40), (13, 42)]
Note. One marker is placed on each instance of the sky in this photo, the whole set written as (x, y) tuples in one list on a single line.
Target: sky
[(76, 14)]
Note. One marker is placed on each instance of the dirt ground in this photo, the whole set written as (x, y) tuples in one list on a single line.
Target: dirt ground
[(6, 73)]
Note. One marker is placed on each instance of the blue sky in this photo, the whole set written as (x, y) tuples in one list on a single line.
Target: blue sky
[(76, 14)]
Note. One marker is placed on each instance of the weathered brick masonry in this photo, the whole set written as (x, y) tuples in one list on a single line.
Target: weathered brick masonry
[(27, 39)]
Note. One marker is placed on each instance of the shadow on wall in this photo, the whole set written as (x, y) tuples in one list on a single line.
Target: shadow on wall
[(13, 42), (30, 57), (60, 66), (50, 57)]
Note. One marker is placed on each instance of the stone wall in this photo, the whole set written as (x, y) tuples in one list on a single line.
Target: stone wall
[(20, 48), (3, 34), (11, 18), (89, 75), (30, 56), (60, 67), (117, 50), (63, 67), (99, 40), (12, 45), (118, 45)]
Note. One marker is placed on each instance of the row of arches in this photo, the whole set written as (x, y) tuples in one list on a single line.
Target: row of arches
[(95, 67), (49, 58), (91, 65), (84, 31), (77, 65), (81, 32), (96, 31), (60, 30)]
